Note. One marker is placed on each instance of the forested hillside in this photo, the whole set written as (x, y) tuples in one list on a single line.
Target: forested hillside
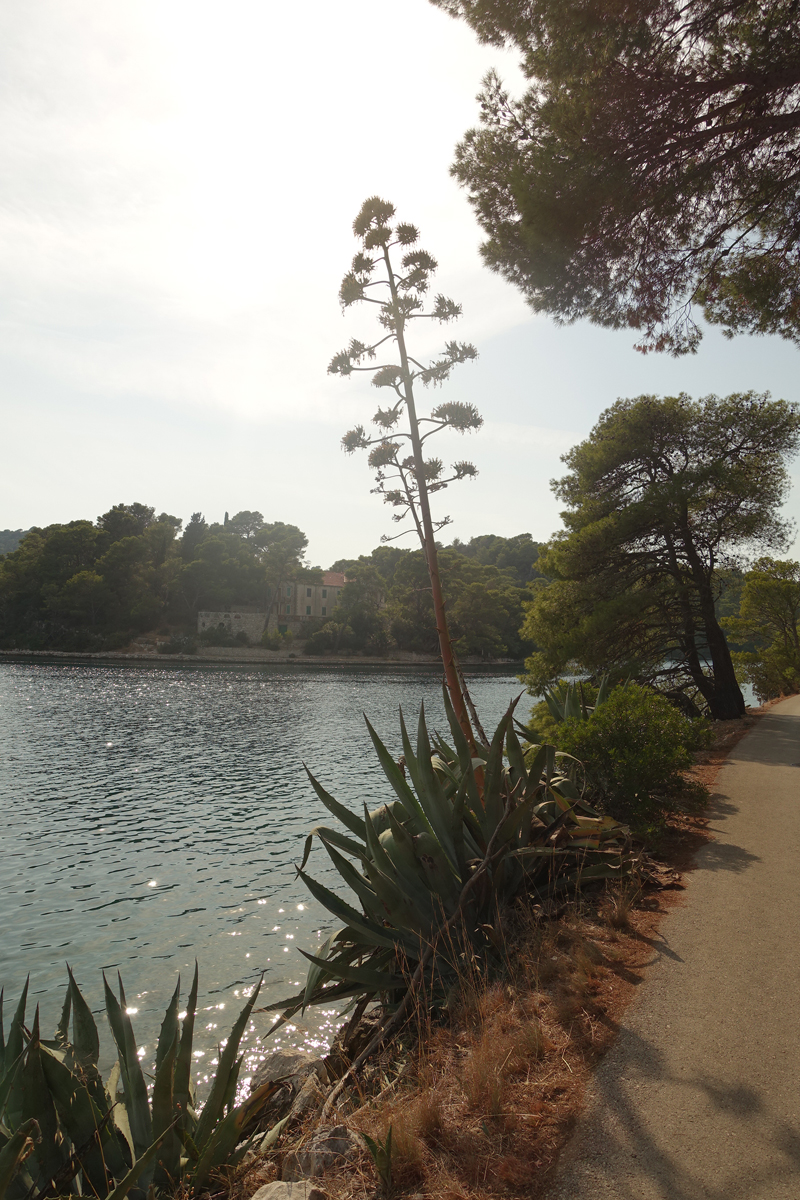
[(95, 585)]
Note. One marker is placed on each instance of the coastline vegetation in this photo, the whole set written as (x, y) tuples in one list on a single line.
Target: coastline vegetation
[(87, 586)]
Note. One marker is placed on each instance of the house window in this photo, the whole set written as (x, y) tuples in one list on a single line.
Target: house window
[(282, 628), (308, 591), (288, 609), (288, 591), (324, 612), (308, 610), (324, 593)]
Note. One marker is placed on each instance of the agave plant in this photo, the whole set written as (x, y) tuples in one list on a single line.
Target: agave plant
[(567, 700), (62, 1130), (411, 864)]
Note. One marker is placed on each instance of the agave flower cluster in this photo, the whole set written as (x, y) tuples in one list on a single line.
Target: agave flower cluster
[(404, 475)]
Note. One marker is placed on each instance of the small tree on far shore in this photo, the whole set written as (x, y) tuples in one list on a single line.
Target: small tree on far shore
[(405, 477)]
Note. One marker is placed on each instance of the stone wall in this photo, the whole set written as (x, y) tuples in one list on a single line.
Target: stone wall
[(251, 622)]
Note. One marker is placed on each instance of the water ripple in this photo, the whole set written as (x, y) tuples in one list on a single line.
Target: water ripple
[(152, 815)]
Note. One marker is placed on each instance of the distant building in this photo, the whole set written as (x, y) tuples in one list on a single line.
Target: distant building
[(295, 605), (298, 603)]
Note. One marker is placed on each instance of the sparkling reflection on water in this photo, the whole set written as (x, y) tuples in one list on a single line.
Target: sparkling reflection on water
[(152, 815)]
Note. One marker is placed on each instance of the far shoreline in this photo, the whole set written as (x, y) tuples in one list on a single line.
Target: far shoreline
[(255, 656)]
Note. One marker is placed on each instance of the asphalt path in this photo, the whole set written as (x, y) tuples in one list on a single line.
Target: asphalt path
[(700, 1097)]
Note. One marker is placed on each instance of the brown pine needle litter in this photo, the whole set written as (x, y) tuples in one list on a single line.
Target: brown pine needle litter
[(481, 1100)]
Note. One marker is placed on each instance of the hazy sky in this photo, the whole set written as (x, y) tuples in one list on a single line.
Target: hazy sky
[(178, 180)]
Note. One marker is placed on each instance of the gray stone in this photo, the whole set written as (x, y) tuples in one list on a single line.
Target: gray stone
[(288, 1063), (310, 1096), (284, 1190), (325, 1149)]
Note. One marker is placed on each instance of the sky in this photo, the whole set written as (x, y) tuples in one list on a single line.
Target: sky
[(178, 181)]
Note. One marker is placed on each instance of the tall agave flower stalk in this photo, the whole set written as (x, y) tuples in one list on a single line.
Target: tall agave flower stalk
[(405, 477)]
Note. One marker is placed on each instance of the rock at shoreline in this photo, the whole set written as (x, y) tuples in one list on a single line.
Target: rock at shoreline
[(298, 1190), (288, 1063), (303, 1077)]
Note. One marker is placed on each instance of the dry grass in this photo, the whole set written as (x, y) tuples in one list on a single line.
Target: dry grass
[(488, 1094)]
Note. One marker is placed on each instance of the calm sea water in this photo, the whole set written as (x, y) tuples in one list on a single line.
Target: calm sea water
[(152, 814)]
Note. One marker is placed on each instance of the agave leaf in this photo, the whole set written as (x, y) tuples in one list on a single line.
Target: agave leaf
[(271, 1136), (15, 1151), (11, 1080), (403, 915), (62, 1029), (376, 981), (513, 823), (216, 1149), (594, 871), (133, 1084), (49, 1155), (458, 832), (119, 1110), (318, 974), (15, 1041), (431, 793), (182, 1086), (516, 759), (212, 1109), (555, 708), (293, 1004), (142, 1166), (400, 845), (250, 1111), (167, 1169), (396, 778), (169, 1032), (493, 800), (85, 1038), (442, 767), (355, 881), (377, 854), (603, 691), (462, 746), (348, 819), (83, 1120), (366, 929), (438, 872), (233, 1080), (537, 768)]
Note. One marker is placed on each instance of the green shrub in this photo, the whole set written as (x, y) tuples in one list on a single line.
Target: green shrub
[(634, 748), (274, 640)]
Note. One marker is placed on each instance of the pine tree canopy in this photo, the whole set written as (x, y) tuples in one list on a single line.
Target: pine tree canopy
[(652, 165)]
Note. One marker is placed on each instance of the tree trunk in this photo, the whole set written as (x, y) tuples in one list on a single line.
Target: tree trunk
[(722, 693), (726, 701)]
